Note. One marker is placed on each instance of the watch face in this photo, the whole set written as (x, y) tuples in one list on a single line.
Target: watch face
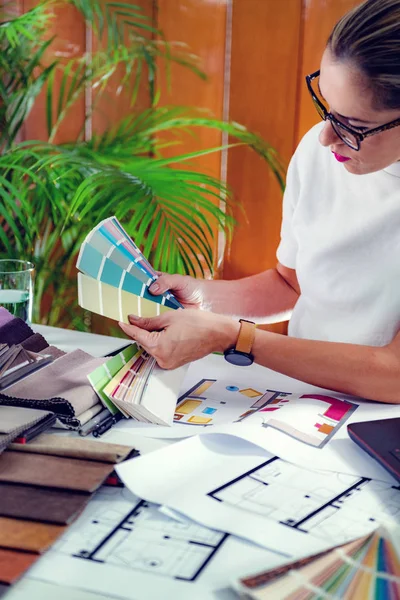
[(240, 359)]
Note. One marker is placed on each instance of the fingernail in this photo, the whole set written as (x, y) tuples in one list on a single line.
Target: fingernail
[(154, 287), (133, 318)]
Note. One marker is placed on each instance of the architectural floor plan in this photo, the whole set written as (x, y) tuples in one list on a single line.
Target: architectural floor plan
[(129, 532), (329, 505)]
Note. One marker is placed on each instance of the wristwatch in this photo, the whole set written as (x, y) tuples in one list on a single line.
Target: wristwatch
[(241, 355)]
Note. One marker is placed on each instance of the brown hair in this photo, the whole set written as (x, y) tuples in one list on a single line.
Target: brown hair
[(369, 37)]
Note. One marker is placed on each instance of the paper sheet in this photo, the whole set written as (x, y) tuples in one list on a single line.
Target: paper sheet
[(222, 483), (121, 546), (289, 430)]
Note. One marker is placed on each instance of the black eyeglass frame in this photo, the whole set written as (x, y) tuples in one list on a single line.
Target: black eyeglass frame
[(327, 115)]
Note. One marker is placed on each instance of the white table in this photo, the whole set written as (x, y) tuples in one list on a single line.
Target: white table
[(97, 345)]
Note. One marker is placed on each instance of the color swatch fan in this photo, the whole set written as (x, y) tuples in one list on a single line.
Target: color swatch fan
[(132, 383), (366, 569), (115, 276)]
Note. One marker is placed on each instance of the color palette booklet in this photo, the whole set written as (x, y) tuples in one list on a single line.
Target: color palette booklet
[(114, 276), (365, 569), (132, 383)]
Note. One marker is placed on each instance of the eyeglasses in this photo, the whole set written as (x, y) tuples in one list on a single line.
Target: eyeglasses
[(348, 135)]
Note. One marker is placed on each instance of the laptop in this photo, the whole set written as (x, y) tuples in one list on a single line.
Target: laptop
[(381, 439)]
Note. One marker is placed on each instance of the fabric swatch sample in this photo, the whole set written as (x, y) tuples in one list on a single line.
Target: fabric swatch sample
[(22, 424), (70, 447), (40, 504), (5, 316), (61, 387), (14, 564), (14, 332), (53, 471), (35, 343), (6, 439), (18, 419), (17, 363), (53, 351), (90, 413), (29, 536)]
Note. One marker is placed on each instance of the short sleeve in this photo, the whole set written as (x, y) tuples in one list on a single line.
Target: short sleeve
[(287, 249)]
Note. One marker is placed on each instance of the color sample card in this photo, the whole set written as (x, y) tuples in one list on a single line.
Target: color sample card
[(133, 383), (364, 569), (103, 375), (115, 276), (114, 303)]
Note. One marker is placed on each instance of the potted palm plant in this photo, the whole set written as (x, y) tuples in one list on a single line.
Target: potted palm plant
[(53, 194)]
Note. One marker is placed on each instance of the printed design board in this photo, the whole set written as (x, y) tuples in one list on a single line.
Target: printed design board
[(239, 397), (114, 276)]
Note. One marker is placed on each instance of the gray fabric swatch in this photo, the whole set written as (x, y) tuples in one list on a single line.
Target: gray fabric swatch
[(62, 386)]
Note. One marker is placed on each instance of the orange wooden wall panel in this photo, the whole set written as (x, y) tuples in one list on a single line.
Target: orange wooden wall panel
[(69, 27), (264, 65), (201, 26), (115, 101), (319, 18)]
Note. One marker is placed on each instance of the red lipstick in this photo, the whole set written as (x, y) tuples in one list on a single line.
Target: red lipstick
[(340, 158)]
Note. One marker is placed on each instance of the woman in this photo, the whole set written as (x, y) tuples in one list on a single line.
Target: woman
[(338, 270)]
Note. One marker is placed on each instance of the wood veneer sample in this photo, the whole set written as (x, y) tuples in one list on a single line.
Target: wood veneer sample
[(58, 445), (53, 471), (14, 564), (41, 504), (29, 536)]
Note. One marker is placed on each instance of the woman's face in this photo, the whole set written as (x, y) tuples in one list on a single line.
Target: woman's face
[(349, 99)]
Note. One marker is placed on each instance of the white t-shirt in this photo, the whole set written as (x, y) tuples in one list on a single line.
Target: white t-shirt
[(341, 233)]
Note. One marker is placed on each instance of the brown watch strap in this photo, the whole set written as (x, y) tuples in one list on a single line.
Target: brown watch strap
[(246, 336)]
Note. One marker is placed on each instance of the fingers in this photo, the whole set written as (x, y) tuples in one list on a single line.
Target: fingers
[(139, 335), (150, 323), (165, 282)]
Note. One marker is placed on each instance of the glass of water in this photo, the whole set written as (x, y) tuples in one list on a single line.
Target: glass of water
[(16, 287)]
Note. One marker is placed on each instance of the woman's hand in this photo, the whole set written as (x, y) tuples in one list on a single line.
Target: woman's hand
[(178, 337), (187, 290)]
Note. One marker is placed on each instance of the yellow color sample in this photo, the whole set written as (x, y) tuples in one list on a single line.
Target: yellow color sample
[(199, 420), (88, 293), (114, 303), (203, 387), (187, 406), (250, 393)]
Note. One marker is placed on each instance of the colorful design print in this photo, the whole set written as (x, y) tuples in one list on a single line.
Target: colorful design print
[(326, 415), (310, 418)]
